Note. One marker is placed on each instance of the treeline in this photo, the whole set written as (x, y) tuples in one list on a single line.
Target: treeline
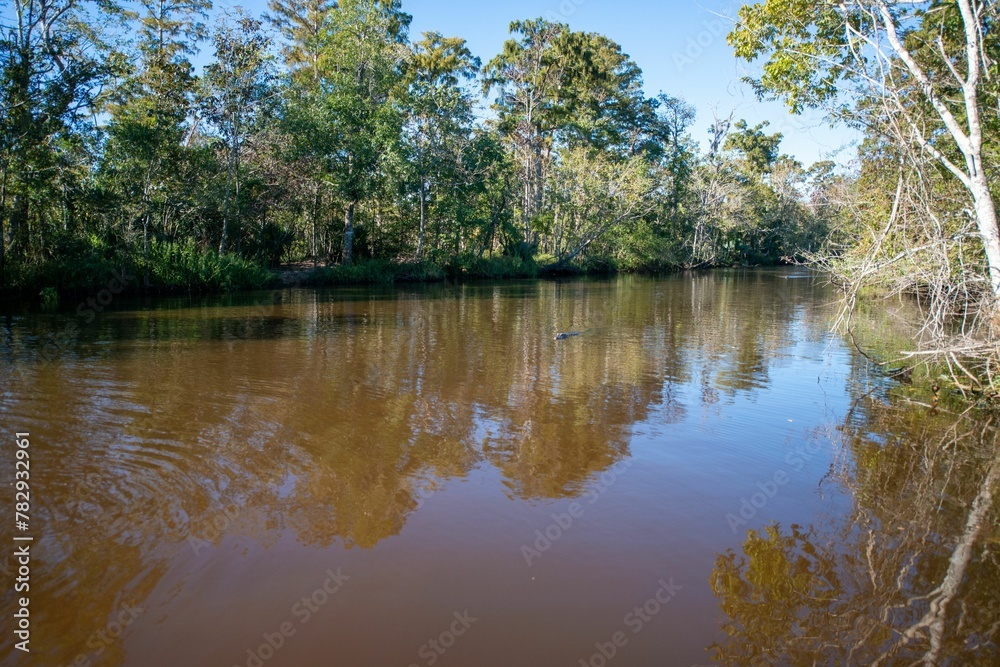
[(322, 132)]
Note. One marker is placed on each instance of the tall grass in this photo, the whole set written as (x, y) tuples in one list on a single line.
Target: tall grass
[(185, 266), (173, 267)]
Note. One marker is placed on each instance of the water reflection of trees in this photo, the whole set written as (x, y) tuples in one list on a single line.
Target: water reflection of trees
[(911, 577), (327, 418)]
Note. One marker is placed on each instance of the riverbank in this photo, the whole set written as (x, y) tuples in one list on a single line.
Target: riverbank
[(173, 272)]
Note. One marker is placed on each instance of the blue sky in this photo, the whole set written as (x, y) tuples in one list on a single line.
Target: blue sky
[(680, 46)]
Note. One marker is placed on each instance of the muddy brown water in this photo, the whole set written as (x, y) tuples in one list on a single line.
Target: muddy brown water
[(424, 476)]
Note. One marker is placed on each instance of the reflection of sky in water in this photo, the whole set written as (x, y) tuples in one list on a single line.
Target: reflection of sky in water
[(420, 442)]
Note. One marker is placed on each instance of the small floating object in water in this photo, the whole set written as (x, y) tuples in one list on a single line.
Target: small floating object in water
[(568, 334)]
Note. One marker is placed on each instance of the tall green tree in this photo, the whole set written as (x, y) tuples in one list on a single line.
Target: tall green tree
[(671, 144), (440, 114), (350, 119), (301, 24), (556, 87), (50, 74), (236, 90), (527, 76), (758, 150), (150, 127), (599, 101)]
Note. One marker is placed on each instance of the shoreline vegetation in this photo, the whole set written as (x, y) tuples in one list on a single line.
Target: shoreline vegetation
[(323, 132), (210, 273)]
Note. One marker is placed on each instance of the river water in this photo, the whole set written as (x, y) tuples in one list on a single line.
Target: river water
[(425, 476)]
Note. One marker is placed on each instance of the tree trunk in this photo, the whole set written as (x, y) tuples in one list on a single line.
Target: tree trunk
[(420, 237), (232, 183), (566, 259), (3, 215), (315, 213), (557, 231), (349, 233), (526, 212), (540, 178), (968, 138), (986, 219), (328, 245), (225, 211), (145, 246), (19, 241), (528, 152), (539, 190), (236, 192)]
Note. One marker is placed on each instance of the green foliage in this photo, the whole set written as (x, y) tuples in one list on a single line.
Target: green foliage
[(374, 272), (301, 23), (596, 195), (758, 150), (437, 136), (362, 145), (80, 265), (640, 247), (342, 113), (919, 79), (88, 265), (386, 272), (49, 296), (49, 77), (491, 268), (235, 94), (807, 42), (186, 267)]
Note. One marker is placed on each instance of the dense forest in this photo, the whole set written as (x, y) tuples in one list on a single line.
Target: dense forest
[(323, 132)]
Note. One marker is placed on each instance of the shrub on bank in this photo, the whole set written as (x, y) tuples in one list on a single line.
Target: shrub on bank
[(491, 268), (387, 272), (373, 272)]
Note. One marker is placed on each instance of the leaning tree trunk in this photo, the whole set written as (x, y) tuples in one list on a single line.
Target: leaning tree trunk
[(349, 233)]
